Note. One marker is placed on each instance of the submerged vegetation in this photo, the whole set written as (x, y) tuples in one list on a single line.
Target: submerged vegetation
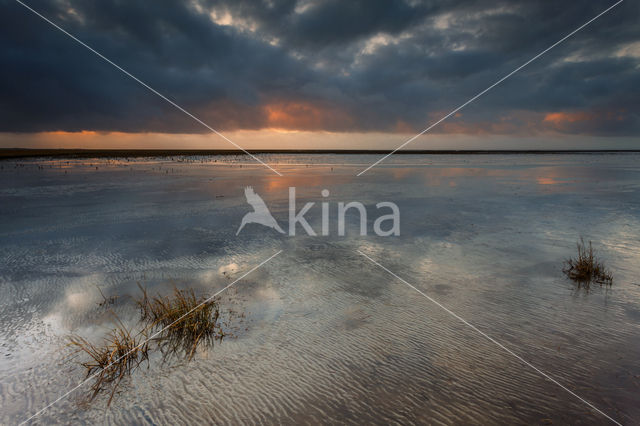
[(586, 269), (177, 325)]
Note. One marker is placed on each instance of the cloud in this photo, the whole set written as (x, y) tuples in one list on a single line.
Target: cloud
[(361, 66)]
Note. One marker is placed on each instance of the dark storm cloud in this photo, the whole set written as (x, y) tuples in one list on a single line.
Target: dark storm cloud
[(328, 65), (329, 23)]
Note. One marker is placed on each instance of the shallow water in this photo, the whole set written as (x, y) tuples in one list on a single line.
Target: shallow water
[(328, 336)]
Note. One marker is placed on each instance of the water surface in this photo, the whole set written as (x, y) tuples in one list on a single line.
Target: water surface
[(328, 336)]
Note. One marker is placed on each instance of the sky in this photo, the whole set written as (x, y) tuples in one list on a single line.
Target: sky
[(320, 74)]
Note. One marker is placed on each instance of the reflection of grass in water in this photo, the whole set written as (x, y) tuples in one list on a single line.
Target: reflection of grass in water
[(184, 319), (586, 268), (118, 355)]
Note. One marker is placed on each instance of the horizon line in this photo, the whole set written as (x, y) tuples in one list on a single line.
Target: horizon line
[(14, 153)]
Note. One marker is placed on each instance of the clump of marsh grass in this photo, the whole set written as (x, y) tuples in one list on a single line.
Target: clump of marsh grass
[(177, 323), (117, 357), (184, 320), (586, 269)]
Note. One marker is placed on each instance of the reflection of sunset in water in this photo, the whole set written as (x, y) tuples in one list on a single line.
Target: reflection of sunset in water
[(438, 176), (547, 181)]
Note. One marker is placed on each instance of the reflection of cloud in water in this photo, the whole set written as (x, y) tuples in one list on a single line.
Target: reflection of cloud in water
[(228, 269), (267, 293), (78, 300)]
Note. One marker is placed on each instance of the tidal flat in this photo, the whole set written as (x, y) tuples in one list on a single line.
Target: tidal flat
[(320, 334)]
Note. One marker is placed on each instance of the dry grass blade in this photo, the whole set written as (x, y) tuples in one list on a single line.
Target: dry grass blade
[(106, 301), (143, 303), (586, 268)]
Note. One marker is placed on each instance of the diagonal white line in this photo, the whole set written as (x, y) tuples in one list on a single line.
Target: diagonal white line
[(491, 87), (144, 342), (128, 74), (491, 339)]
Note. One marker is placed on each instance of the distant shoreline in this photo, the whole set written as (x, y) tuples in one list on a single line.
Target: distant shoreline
[(14, 153)]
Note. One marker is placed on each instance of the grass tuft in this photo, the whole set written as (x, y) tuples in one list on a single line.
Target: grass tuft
[(182, 322), (185, 320), (117, 357), (586, 269)]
